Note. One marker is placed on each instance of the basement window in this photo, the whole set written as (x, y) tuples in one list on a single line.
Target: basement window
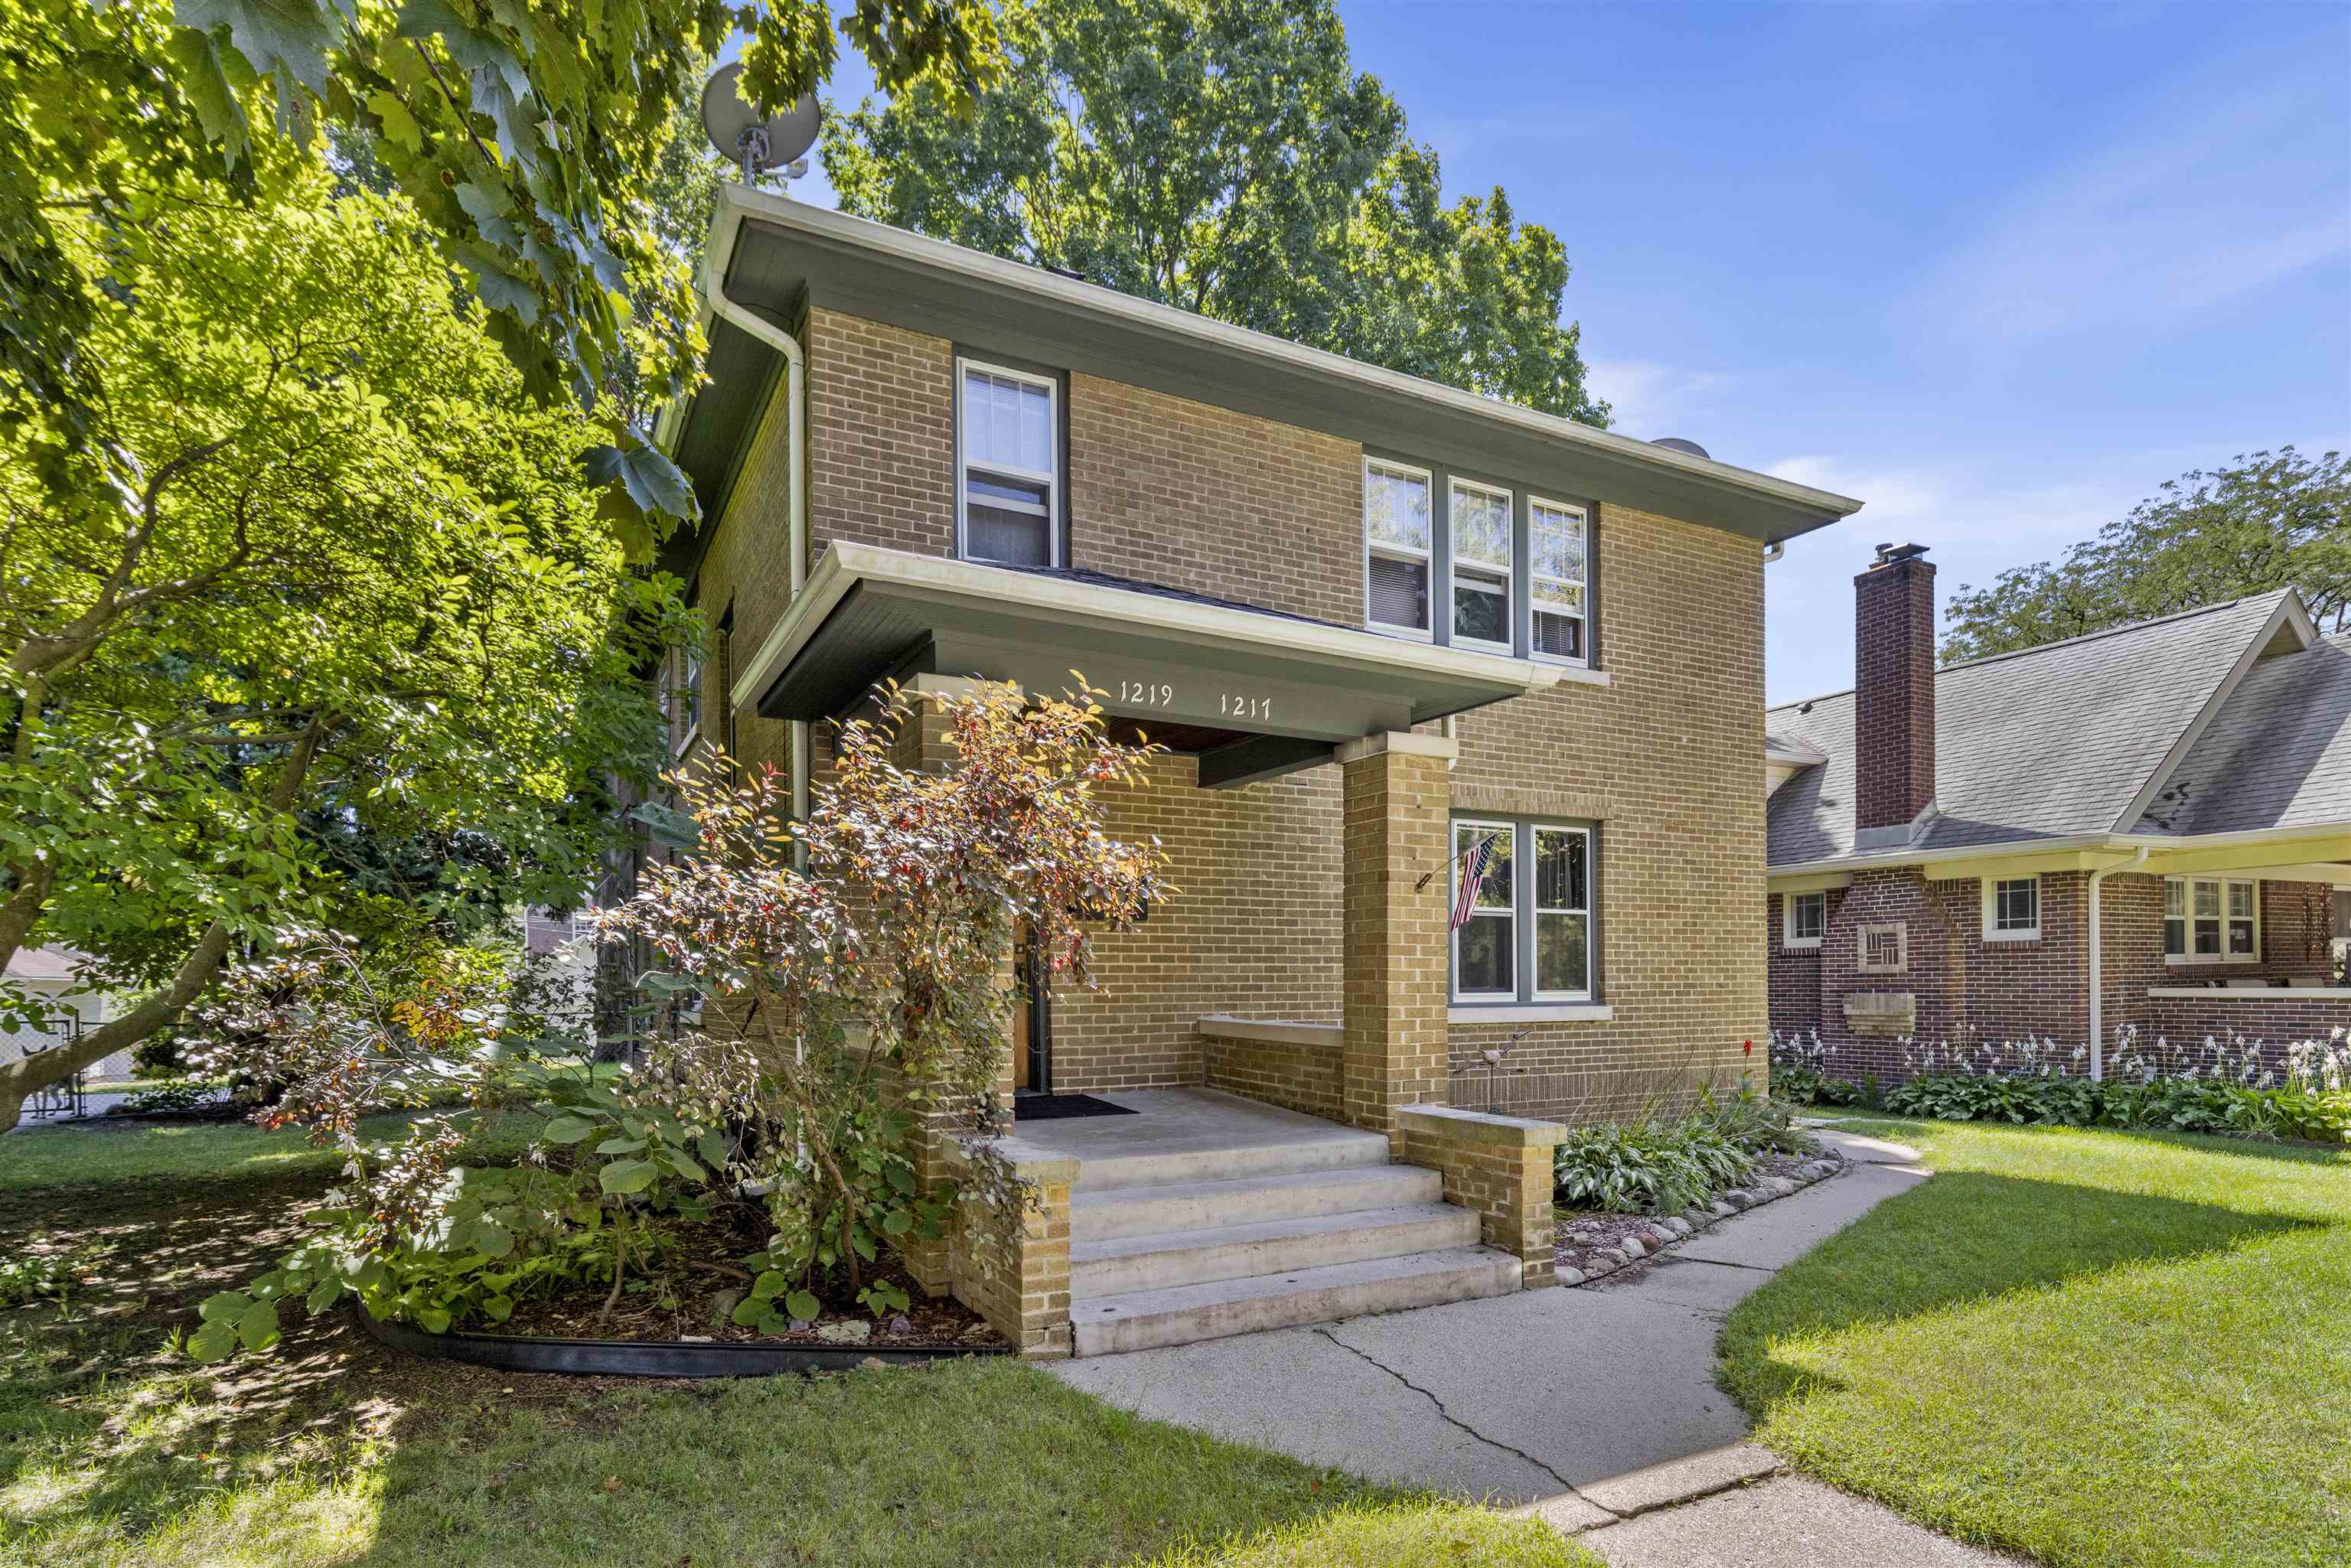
[(2012, 909), (1008, 499)]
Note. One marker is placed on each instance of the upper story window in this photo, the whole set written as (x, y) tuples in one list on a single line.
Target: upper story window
[(1507, 573), (1803, 919), (1008, 496), (684, 697), (1525, 931), (2212, 920), (1482, 548), (1399, 541), (1555, 574)]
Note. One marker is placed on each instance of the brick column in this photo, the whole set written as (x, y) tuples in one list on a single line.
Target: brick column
[(1018, 1277), (1500, 1167), (1398, 797)]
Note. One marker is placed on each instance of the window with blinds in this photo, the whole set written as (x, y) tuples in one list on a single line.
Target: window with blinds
[(1399, 541), (1008, 436), (1555, 579)]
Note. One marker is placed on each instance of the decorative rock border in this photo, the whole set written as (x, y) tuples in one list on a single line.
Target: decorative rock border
[(654, 1358), (1651, 1237)]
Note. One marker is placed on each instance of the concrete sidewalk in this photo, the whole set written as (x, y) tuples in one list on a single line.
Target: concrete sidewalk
[(1588, 1405)]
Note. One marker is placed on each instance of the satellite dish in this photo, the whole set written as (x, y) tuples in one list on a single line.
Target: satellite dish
[(1679, 444), (754, 143)]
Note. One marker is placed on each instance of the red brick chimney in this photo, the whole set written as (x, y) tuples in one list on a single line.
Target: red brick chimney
[(1894, 694)]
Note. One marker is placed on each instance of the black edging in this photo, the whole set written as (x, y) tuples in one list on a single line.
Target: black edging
[(653, 1358)]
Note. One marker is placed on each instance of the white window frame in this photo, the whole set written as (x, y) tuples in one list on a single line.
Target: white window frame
[(1789, 940), (1583, 516), (2189, 917), (1452, 896), (685, 689), (1051, 481), (1426, 558), (1455, 484), (1536, 911), (1992, 930)]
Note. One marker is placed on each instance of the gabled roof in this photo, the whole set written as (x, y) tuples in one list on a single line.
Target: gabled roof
[(2065, 740), (2278, 754)]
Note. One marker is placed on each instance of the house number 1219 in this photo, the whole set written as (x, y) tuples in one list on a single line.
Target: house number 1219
[(1143, 694)]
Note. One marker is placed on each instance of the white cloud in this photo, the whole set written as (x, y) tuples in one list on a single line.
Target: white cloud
[(2229, 181), (1651, 400)]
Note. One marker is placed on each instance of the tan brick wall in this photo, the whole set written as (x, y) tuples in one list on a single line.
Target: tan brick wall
[(1664, 758), (880, 436), (1500, 1167), (1295, 1076), (1397, 838), (1253, 932), (1215, 502), (1016, 1275)]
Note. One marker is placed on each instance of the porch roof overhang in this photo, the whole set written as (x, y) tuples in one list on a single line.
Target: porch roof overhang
[(2318, 853), (1294, 688)]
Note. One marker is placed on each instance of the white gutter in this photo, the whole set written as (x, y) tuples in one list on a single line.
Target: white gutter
[(725, 227), (2013, 849), (2097, 978)]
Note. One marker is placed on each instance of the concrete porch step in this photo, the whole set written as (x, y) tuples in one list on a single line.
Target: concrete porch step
[(1142, 1320), (1290, 1153), (1101, 1215), (1116, 1265)]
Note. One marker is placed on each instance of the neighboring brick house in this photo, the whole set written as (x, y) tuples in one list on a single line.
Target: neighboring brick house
[(1953, 850), (1374, 619)]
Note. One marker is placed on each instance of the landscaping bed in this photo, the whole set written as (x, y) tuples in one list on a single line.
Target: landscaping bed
[(1592, 1244)]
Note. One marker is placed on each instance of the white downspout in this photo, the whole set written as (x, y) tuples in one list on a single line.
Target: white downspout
[(726, 226), (2097, 989)]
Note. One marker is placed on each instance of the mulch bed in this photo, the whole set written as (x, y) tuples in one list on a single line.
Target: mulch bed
[(693, 1293)]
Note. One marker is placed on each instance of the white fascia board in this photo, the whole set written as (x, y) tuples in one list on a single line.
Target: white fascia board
[(2058, 852), (1166, 319), (846, 564)]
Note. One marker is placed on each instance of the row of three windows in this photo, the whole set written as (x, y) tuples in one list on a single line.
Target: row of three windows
[(1474, 549)]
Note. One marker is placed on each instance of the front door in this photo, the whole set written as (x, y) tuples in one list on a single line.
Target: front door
[(1033, 1017)]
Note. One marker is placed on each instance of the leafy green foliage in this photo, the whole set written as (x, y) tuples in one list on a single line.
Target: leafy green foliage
[(341, 579), (27, 1275), (1224, 156), (2271, 520), (2170, 1105), (526, 137), (169, 1094), (1663, 1164)]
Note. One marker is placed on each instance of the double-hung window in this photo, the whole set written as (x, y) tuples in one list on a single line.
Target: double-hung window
[(1555, 579), (1009, 490), (1399, 543), (1526, 934), (2212, 920), (1483, 536)]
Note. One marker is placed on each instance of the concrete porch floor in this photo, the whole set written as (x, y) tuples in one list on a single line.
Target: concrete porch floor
[(1173, 1128)]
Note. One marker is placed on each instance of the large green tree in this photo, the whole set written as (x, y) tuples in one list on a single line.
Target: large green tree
[(2273, 519), (1224, 156), (525, 132), (352, 587)]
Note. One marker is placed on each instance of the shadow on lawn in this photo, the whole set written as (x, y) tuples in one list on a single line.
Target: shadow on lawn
[(1966, 1237)]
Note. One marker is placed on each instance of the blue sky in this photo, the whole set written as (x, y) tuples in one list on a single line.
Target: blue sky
[(1997, 270)]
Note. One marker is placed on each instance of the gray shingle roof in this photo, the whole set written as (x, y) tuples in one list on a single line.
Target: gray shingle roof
[(2277, 755), (2049, 742)]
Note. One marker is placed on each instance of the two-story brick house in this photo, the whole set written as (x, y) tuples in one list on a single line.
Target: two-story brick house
[(1377, 619), (1955, 852)]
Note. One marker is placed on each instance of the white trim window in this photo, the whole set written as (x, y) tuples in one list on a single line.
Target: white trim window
[(684, 699), (1562, 906), (1557, 608), (2012, 909), (1009, 490), (1804, 920), (1528, 935), (1399, 548), (1486, 944), (1484, 533), (2212, 920)]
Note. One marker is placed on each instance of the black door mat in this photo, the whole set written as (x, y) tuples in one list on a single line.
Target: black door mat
[(1054, 1107)]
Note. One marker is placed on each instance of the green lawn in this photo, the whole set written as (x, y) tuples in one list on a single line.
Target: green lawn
[(2094, 1347), (334, 1450)]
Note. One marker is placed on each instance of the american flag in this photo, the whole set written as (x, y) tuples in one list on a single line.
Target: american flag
[(1473, 872)]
